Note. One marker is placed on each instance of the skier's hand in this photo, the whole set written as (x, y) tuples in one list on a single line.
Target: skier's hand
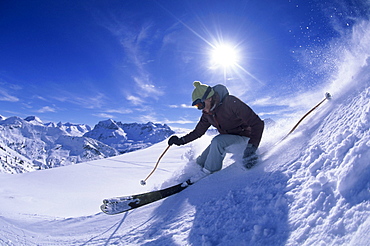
[(176, 140), (250, 157), (249, 151)]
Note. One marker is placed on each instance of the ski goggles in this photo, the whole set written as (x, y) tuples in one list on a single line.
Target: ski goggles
[(199, 103)]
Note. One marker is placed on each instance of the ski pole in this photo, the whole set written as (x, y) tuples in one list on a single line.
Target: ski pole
[(327, 97), (143, 182)]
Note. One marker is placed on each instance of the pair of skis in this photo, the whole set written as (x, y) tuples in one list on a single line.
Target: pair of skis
[(122, 204)]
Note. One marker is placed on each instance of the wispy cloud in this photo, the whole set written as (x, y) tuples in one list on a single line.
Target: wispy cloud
[(269, 101), (277, 112), (136, 42), (5, 96), (133, 46), (181, 121), (148, 118), (146, 86), (287, 106), (135, 100), (182, 106), (109, 113), (298, 100), (104, 115), (46, 109), (39, 98), (119, 111), (90, 102)]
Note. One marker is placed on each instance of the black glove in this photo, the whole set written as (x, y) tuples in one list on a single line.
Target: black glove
[(176, 140), (249, 151), (250, 157)]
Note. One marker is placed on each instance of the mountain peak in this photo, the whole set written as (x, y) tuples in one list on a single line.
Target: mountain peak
[(129, 136), (107, 124), (33, 119)]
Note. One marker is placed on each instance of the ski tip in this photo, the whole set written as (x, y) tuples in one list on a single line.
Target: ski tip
[(103, 208), (186, 183)]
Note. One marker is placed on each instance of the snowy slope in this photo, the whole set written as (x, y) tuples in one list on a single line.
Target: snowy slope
[(311, 189), (12, 162)]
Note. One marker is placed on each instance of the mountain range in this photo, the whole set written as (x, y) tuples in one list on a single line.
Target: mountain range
[(29, 144)]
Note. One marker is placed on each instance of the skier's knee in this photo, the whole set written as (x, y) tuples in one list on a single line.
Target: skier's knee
[(216, 140)]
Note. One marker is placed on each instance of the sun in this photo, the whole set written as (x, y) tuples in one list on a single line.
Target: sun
[(228, 59), (224, 55)]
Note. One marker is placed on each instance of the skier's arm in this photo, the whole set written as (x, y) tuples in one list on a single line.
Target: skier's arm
[(199, 131), (250, 119)]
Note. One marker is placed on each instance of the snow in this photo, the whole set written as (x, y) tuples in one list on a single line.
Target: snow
[(311, 189)]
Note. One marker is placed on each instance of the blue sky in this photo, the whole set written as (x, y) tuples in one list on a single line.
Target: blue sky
[(135, 61)]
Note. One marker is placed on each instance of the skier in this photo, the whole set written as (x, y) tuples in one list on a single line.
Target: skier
[(236, 122)]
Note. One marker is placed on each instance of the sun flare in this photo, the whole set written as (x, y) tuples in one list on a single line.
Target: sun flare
[(224, 55)]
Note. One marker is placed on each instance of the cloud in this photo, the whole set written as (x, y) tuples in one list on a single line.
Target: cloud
[(104, 115), (301, 100), (137, 42), (146, 87), (148, 118), (181, 121), (182, 106), (119, 111), (4, 96), (269, 101), (135, 100), (108, 114), (90, 102), (95, 101), (46, 109), (39, 98), (277, 112)]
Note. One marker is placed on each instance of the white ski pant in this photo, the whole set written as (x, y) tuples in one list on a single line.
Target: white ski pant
[(212, 157)]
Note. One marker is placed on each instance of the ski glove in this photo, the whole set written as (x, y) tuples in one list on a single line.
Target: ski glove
[(176, 140), (250, 157), (249, 151)]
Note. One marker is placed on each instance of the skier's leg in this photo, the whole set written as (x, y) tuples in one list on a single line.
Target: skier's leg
[(217, 150), (203, 157)]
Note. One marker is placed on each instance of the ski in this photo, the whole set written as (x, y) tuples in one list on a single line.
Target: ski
[(118, 205)]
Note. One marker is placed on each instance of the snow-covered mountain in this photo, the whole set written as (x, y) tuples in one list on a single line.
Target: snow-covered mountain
[(129, 137), (40, 146), (12, 162)]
